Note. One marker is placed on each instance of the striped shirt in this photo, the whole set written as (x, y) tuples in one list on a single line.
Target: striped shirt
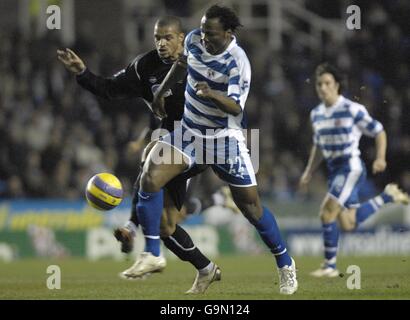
[(229, 73), (338, 128)]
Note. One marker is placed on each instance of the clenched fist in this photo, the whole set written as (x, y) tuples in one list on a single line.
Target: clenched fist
[(379, 165)]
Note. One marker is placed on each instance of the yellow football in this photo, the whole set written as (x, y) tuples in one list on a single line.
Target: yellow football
[(104, 191)]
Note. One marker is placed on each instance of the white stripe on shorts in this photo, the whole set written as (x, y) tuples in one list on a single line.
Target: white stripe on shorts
[(349, 185), (243, 150)]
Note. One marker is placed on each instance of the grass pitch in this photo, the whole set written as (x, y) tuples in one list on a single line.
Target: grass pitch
[(243, 278)]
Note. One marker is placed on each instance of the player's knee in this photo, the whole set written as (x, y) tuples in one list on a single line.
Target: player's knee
[(329, 211), (346, 226), (167, 230), (327, 215)]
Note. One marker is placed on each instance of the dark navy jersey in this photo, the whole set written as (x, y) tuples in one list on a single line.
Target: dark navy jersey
[(139, 80)]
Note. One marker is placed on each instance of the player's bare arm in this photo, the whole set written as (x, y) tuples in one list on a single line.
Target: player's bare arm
[(379, 164), (177, 72), (224, 103), (71, 61), (315, 159), (143, 139)]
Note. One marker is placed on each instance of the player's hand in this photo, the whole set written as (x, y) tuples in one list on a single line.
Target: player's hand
[(203, 90), (304, 180), (71, 61), (158, 107), (379, 165)]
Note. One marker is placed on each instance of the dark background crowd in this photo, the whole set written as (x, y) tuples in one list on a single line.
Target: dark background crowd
[(55, 135)]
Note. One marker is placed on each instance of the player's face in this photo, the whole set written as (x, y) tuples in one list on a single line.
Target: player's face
[(168, 42), (214, 37), (327, 88)]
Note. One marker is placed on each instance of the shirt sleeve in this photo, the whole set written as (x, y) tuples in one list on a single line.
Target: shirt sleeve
[(239, 81), (188, 41), (369, 126), (122, 85)]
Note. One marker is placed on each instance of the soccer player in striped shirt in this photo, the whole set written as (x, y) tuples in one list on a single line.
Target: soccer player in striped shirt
[(218, 83), (338, 124)]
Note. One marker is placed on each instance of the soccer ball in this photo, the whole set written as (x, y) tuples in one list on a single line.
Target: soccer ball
[(104, 191)]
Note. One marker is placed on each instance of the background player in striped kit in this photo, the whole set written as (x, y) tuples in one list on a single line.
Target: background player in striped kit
[(338, 124)]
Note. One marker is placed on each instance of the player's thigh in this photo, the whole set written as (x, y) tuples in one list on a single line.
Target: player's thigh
[(159, 167), (147, 149), (248, 201), (329, 209), (344, 186), (234, 166)]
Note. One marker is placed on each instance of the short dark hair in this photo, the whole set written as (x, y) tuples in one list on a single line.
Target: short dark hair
[(326, 67), (170, 20), (227, 17)]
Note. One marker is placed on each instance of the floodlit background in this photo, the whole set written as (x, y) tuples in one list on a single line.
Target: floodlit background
[(56, 135)]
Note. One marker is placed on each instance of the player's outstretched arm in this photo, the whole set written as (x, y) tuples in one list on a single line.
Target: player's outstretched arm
[(124, 84), (379, 164)]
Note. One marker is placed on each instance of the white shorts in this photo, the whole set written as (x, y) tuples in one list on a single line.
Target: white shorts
[(228, 156)]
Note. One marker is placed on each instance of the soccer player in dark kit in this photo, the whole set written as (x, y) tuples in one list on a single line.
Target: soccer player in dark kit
[(140, 79)]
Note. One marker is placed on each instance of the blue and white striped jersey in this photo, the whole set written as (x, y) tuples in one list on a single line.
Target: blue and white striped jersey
[(338, 128), (228, 73)]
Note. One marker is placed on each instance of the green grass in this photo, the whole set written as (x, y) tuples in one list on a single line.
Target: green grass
[(243, 278)]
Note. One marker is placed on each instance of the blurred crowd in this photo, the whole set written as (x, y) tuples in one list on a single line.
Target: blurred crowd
[(56, 135)]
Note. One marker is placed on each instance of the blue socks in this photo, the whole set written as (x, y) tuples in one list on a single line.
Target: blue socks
[(371, 206), (331, 230), (269, 232), (149, 210), (331, 238)]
